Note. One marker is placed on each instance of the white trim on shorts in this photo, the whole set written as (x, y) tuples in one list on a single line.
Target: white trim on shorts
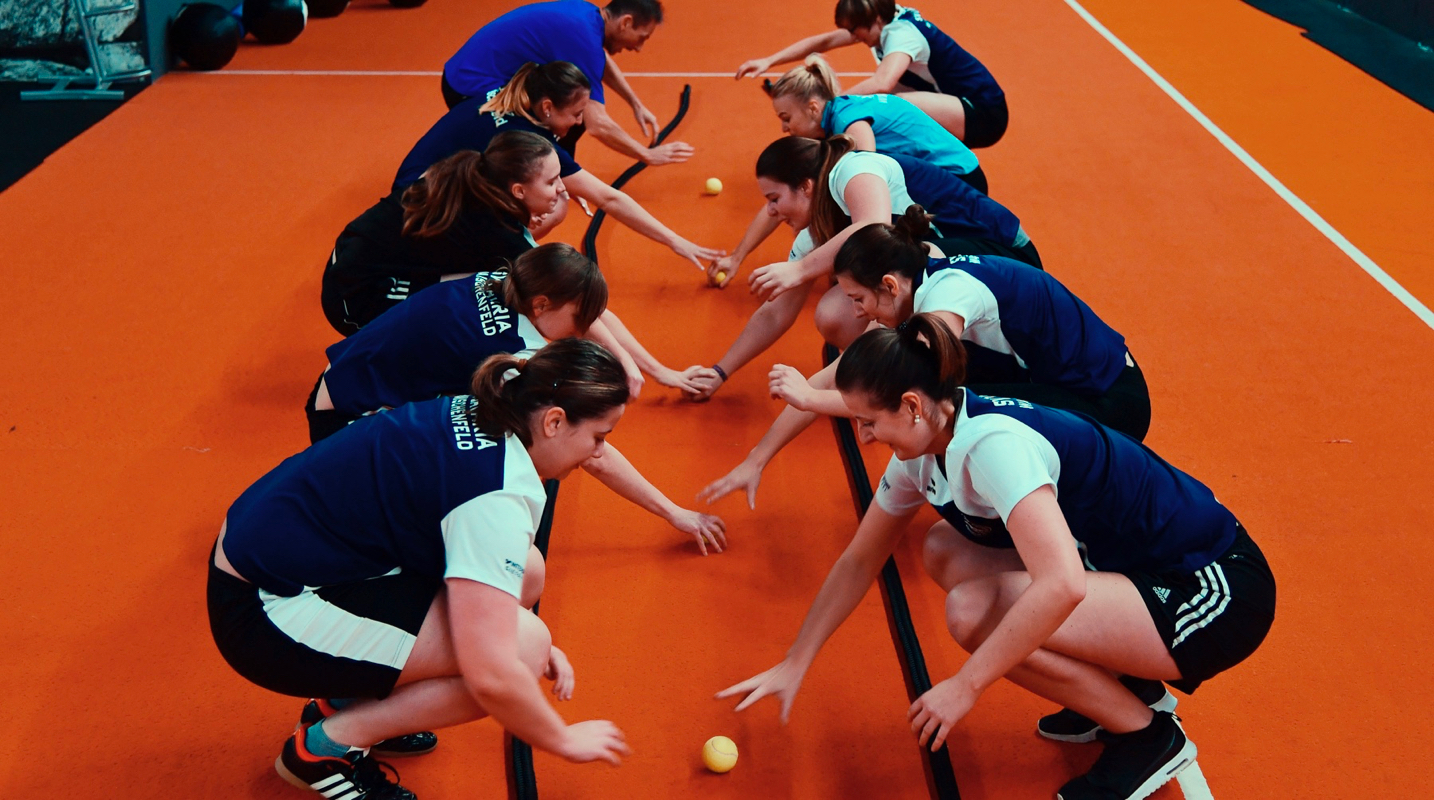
[(1211, 602), (320, 625)]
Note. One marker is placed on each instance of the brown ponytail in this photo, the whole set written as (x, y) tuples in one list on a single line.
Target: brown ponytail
[(558, 81), (558, 272), (827, 217), (433, 202), (851, 14), (921, 354), (576, 375), (813, 79), (880, 249)]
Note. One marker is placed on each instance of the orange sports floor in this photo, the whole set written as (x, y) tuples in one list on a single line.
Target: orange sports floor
[(160, 328)]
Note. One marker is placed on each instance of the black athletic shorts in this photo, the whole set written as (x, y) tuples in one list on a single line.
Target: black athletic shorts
[(353, 292), (985, 123), (1124, 407), (1216, 617), (956, 246), (451, 96), (323, 424), (359, 634)]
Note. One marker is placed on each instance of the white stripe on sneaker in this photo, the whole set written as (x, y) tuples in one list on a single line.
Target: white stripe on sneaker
[(327, 782)]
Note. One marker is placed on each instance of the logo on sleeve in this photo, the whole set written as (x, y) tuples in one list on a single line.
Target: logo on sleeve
[(512, 568)]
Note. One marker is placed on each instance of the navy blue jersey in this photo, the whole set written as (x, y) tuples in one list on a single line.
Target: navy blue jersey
[(901, 129), (426, 346), (417, 489), (960, 209), (567, 30), (1127, 508), (464, 127), (938, 64), (1014, 308)]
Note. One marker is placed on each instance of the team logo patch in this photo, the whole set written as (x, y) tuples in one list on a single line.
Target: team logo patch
[(1162, 593)]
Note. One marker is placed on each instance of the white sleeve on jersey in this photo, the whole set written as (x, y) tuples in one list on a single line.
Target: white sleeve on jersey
[(899, 492), (802, 245), (487, 539), (901, 36), (959, 293), (1005, 466), (862, 162)]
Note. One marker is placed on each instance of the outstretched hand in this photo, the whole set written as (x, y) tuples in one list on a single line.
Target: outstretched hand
[(936, 712), (781, 681), (753, 68), (668, 153), (705, 383), (707, 529), (647, 121), (696, 253), (789, 385), (560, 672), (744, 477), (593, 740), (771, 281)]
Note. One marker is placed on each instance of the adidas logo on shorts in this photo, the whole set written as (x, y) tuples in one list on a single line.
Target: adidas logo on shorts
[(1162, 593)]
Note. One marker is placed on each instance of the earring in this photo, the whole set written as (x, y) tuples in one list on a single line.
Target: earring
[(916, 419)]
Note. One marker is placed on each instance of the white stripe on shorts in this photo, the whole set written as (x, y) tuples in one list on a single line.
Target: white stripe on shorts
[(314, 622), (1212, 579)]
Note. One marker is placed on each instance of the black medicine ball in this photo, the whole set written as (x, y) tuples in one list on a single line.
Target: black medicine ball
[(275, 21), (321, 9), (204, 36)]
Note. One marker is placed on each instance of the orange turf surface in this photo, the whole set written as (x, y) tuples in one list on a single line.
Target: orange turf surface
[(160, 330)]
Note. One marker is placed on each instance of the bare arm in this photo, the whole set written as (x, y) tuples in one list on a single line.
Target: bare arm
[(850, 578), (761, 226), (600, 333), (887, 77), (613, 78), (645, 360), (615, 472), (868, 199), (819, 43), (606, 129), (484, 631), (863, 135), (627, 211), (1058, 585)]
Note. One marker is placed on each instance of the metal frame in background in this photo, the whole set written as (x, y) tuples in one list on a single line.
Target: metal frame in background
[(96, 73)]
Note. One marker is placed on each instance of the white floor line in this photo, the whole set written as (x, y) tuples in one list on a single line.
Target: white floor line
[(1365, 262), (364, 73)]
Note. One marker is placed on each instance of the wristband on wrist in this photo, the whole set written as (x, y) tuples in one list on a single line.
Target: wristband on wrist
[(722, 372)]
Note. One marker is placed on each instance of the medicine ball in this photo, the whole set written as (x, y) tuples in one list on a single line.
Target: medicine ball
[(321, 9), (275, 21), (204, 36), (406, 3)]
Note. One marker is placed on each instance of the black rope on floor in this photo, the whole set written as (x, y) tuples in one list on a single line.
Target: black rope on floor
[(590, 238), (940, 777), (518, 754)]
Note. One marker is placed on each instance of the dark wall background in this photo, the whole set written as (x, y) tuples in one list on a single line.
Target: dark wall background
[(1412, 18)]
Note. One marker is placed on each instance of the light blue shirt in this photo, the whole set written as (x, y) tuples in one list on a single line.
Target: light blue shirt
[(901, 129)]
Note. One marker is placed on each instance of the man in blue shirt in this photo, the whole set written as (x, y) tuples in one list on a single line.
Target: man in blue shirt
[(582, 34)]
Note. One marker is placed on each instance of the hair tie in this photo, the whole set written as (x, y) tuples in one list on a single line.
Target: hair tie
[(901, 326)]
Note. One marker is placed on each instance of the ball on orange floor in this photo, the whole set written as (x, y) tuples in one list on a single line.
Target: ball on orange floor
[(721, 275), (713, 186), (719, 754)]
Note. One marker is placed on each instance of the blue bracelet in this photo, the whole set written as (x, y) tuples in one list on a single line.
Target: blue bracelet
[(717, 369)]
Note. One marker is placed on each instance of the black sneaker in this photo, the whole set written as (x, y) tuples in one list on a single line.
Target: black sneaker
[(1068, 726), (413, 744), (356, 776), (1135, 764)]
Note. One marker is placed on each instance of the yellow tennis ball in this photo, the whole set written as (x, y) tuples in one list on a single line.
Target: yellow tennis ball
[(713, 186), (719, 754), (721, 276)]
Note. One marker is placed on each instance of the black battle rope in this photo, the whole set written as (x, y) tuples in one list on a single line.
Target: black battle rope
[(940, 778), (522, 782), (590, 238), (518, 755)]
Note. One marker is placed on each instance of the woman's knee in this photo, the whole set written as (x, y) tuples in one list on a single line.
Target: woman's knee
[(837, 320), (971, 612), (534, 641), (535, 573)]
